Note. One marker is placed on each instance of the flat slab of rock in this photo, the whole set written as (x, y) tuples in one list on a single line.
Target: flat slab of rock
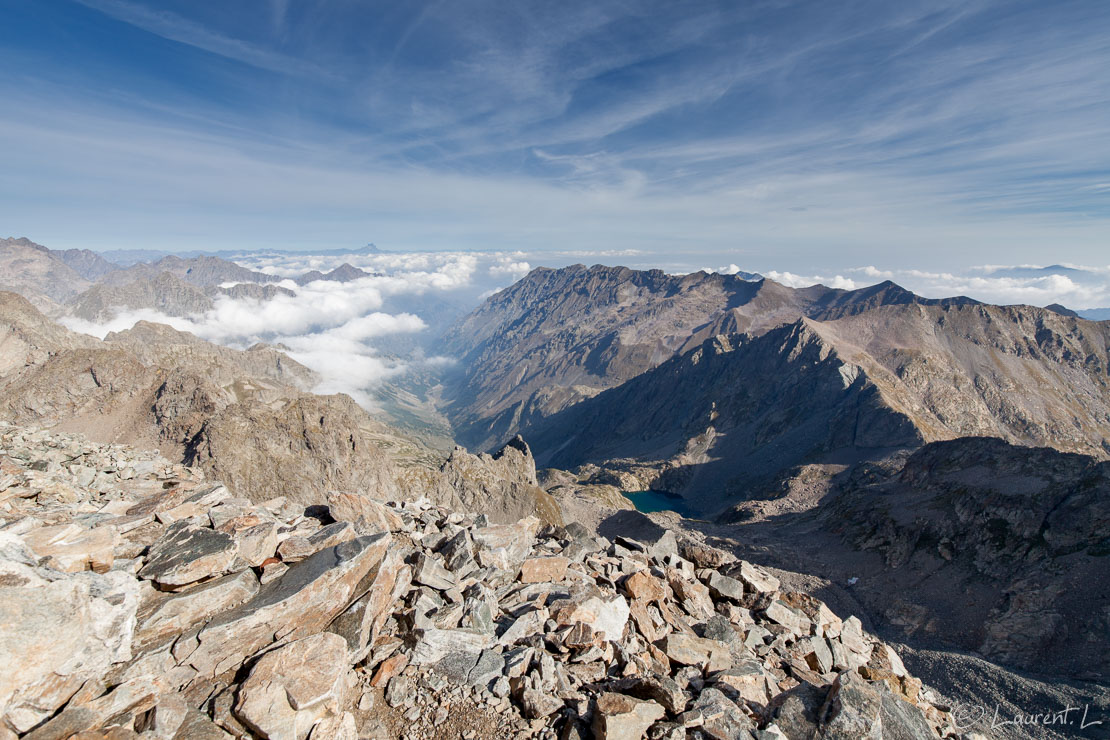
[(705, 556), (432, 645), (57, 631), (622, 717), (658, 688), (430, 571), (709, 655), (332, 535), (853, 709), (294, 548), (365, 514), (196, 726), (643, 585), (360, 623), (607, 616), (188, 553), (900, 718), (787, 616), (505, 546), (336, 727), (724, 587), (757, 579), (544, 570), (71, 548), (182, 612), (817, 654), (748, 681), (302, 602), (721, 718), (257, 542), (204, 497)]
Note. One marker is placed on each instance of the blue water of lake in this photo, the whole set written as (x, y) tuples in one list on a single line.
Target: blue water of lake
[(650, 501)]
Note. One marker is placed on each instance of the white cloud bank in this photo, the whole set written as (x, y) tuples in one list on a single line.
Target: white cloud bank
[(328, 326)]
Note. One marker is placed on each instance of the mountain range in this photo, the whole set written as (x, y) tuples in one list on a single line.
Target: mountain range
[(559, 336), (127, 257), (939, 466), (245, 417), (722, 382), (84, 284)]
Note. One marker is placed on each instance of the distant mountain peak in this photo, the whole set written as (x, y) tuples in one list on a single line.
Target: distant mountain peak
[(1062, 310), (22, 241), (345, 273)]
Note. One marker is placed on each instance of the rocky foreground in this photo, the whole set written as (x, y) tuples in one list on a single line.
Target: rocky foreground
[(138, 599)]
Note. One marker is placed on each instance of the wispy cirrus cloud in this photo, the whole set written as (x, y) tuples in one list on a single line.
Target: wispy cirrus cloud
[(782, 134), (174, 27)]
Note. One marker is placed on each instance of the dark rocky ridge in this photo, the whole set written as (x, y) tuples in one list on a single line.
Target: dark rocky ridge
[(970, 544)]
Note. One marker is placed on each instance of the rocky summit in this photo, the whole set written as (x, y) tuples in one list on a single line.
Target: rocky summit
[(138, 598)]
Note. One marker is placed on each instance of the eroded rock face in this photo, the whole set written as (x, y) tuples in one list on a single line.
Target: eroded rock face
[(502, 485), (308, 446), (181, 612), (621, 717), (72, 549)]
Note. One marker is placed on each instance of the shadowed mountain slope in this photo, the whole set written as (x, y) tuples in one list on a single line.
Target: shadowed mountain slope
[(721, 419), (735, 411), (970, 544)]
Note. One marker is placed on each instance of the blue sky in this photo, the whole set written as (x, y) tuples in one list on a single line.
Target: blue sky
[(775, 135)]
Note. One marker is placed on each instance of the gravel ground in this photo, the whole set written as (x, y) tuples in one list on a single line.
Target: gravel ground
[(979, 689)]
